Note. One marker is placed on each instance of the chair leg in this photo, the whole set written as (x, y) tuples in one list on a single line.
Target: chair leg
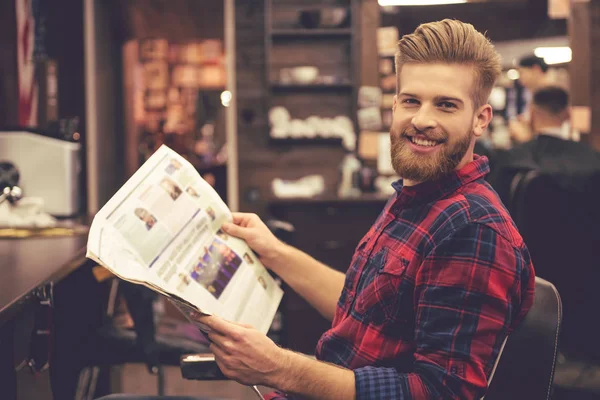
[(82, 383), (87, 383), (160, 375), (93, 383)]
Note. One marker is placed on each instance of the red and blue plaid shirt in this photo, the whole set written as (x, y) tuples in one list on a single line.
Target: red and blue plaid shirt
[(433, 289)]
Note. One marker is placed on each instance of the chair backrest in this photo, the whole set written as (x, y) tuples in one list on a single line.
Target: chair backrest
[(525, 365), (558, 222)]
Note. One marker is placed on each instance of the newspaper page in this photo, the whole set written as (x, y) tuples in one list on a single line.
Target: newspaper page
[(162, 229)]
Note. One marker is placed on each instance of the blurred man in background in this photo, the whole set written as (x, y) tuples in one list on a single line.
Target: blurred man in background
[(551, 151), (533, 75)]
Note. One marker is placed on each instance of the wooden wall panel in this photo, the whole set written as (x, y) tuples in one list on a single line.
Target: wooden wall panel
[(594, 6), (175, 20), (8, 64), (584, 69), (501, 20), (65, 44), (579, 67), (369, 56)]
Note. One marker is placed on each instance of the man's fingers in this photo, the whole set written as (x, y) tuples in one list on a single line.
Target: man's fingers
[(220, 340), (218, 324), (235, 230), (241, 218), (220, 356), (217, 351)]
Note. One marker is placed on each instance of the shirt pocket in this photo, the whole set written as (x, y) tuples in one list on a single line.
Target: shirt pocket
[(378, 301), (356, 264), (347, 291)]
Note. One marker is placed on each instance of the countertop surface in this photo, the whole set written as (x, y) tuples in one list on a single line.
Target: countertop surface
[(26, 264)]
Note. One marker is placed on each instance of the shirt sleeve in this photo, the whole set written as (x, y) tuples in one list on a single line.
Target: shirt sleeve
[(470, 292)]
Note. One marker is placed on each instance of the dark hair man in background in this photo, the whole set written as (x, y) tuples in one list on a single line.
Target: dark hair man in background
[(551, 151), (533, 74)]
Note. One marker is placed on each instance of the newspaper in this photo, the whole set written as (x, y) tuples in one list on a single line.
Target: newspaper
[(162, 229)]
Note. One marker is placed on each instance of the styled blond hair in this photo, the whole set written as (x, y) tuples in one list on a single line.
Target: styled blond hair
[(452, 42)]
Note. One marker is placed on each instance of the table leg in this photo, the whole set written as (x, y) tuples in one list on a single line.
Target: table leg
[(8, 386)]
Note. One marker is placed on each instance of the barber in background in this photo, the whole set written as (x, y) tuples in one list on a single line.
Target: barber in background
[(551, 151), (533, 75)]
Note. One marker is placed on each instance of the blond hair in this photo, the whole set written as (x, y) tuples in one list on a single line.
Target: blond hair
[(452, 42)]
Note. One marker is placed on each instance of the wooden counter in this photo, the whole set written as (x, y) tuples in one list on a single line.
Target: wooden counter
[(26, 264)]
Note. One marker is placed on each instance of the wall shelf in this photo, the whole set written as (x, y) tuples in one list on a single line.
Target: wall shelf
[(292, 33), (288, 44), (333, 141), (311, 87)]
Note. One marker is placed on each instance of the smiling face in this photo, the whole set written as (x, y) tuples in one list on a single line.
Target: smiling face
[(435, 122)]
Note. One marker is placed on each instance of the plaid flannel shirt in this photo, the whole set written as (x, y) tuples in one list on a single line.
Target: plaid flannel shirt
[(433, 289)]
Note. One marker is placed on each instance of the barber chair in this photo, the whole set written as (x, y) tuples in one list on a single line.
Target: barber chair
[(151, 342), (558, 218), (559, 223), (525, 366)]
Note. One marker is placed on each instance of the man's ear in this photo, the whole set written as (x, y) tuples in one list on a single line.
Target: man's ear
[(482, 119), (395, 102)]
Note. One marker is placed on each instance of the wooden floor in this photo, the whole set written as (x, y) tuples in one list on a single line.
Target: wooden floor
[(573, 381), (135, 379)]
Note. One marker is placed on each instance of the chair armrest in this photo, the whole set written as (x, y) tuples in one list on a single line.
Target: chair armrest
[(200, 367)]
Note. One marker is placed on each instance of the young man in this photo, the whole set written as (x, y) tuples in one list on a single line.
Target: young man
[(440, 279)]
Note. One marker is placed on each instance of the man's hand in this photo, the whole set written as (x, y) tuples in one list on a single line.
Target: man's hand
[(260, 239), (249, 357), (243, 353)]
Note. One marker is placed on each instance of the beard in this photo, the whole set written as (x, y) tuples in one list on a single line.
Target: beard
[(427, 167)]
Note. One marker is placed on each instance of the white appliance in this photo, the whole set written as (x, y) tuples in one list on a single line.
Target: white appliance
[(48, 168)]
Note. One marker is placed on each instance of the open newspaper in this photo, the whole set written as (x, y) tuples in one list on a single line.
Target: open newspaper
[(162, 229)]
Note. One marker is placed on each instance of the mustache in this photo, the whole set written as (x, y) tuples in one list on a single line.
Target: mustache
[(436, 136)]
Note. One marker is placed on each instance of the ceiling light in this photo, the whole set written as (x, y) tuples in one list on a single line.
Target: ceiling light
[(513, 74), (226, 97), (554, 55), (384, 3)]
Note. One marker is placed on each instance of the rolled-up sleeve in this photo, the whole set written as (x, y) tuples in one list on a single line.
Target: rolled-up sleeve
[(377, 383), (470, 291)]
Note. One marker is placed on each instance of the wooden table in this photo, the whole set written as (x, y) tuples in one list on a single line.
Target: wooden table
[(27, 264)]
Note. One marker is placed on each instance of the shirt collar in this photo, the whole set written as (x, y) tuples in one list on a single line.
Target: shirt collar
[(560, 132), (434, 190)]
